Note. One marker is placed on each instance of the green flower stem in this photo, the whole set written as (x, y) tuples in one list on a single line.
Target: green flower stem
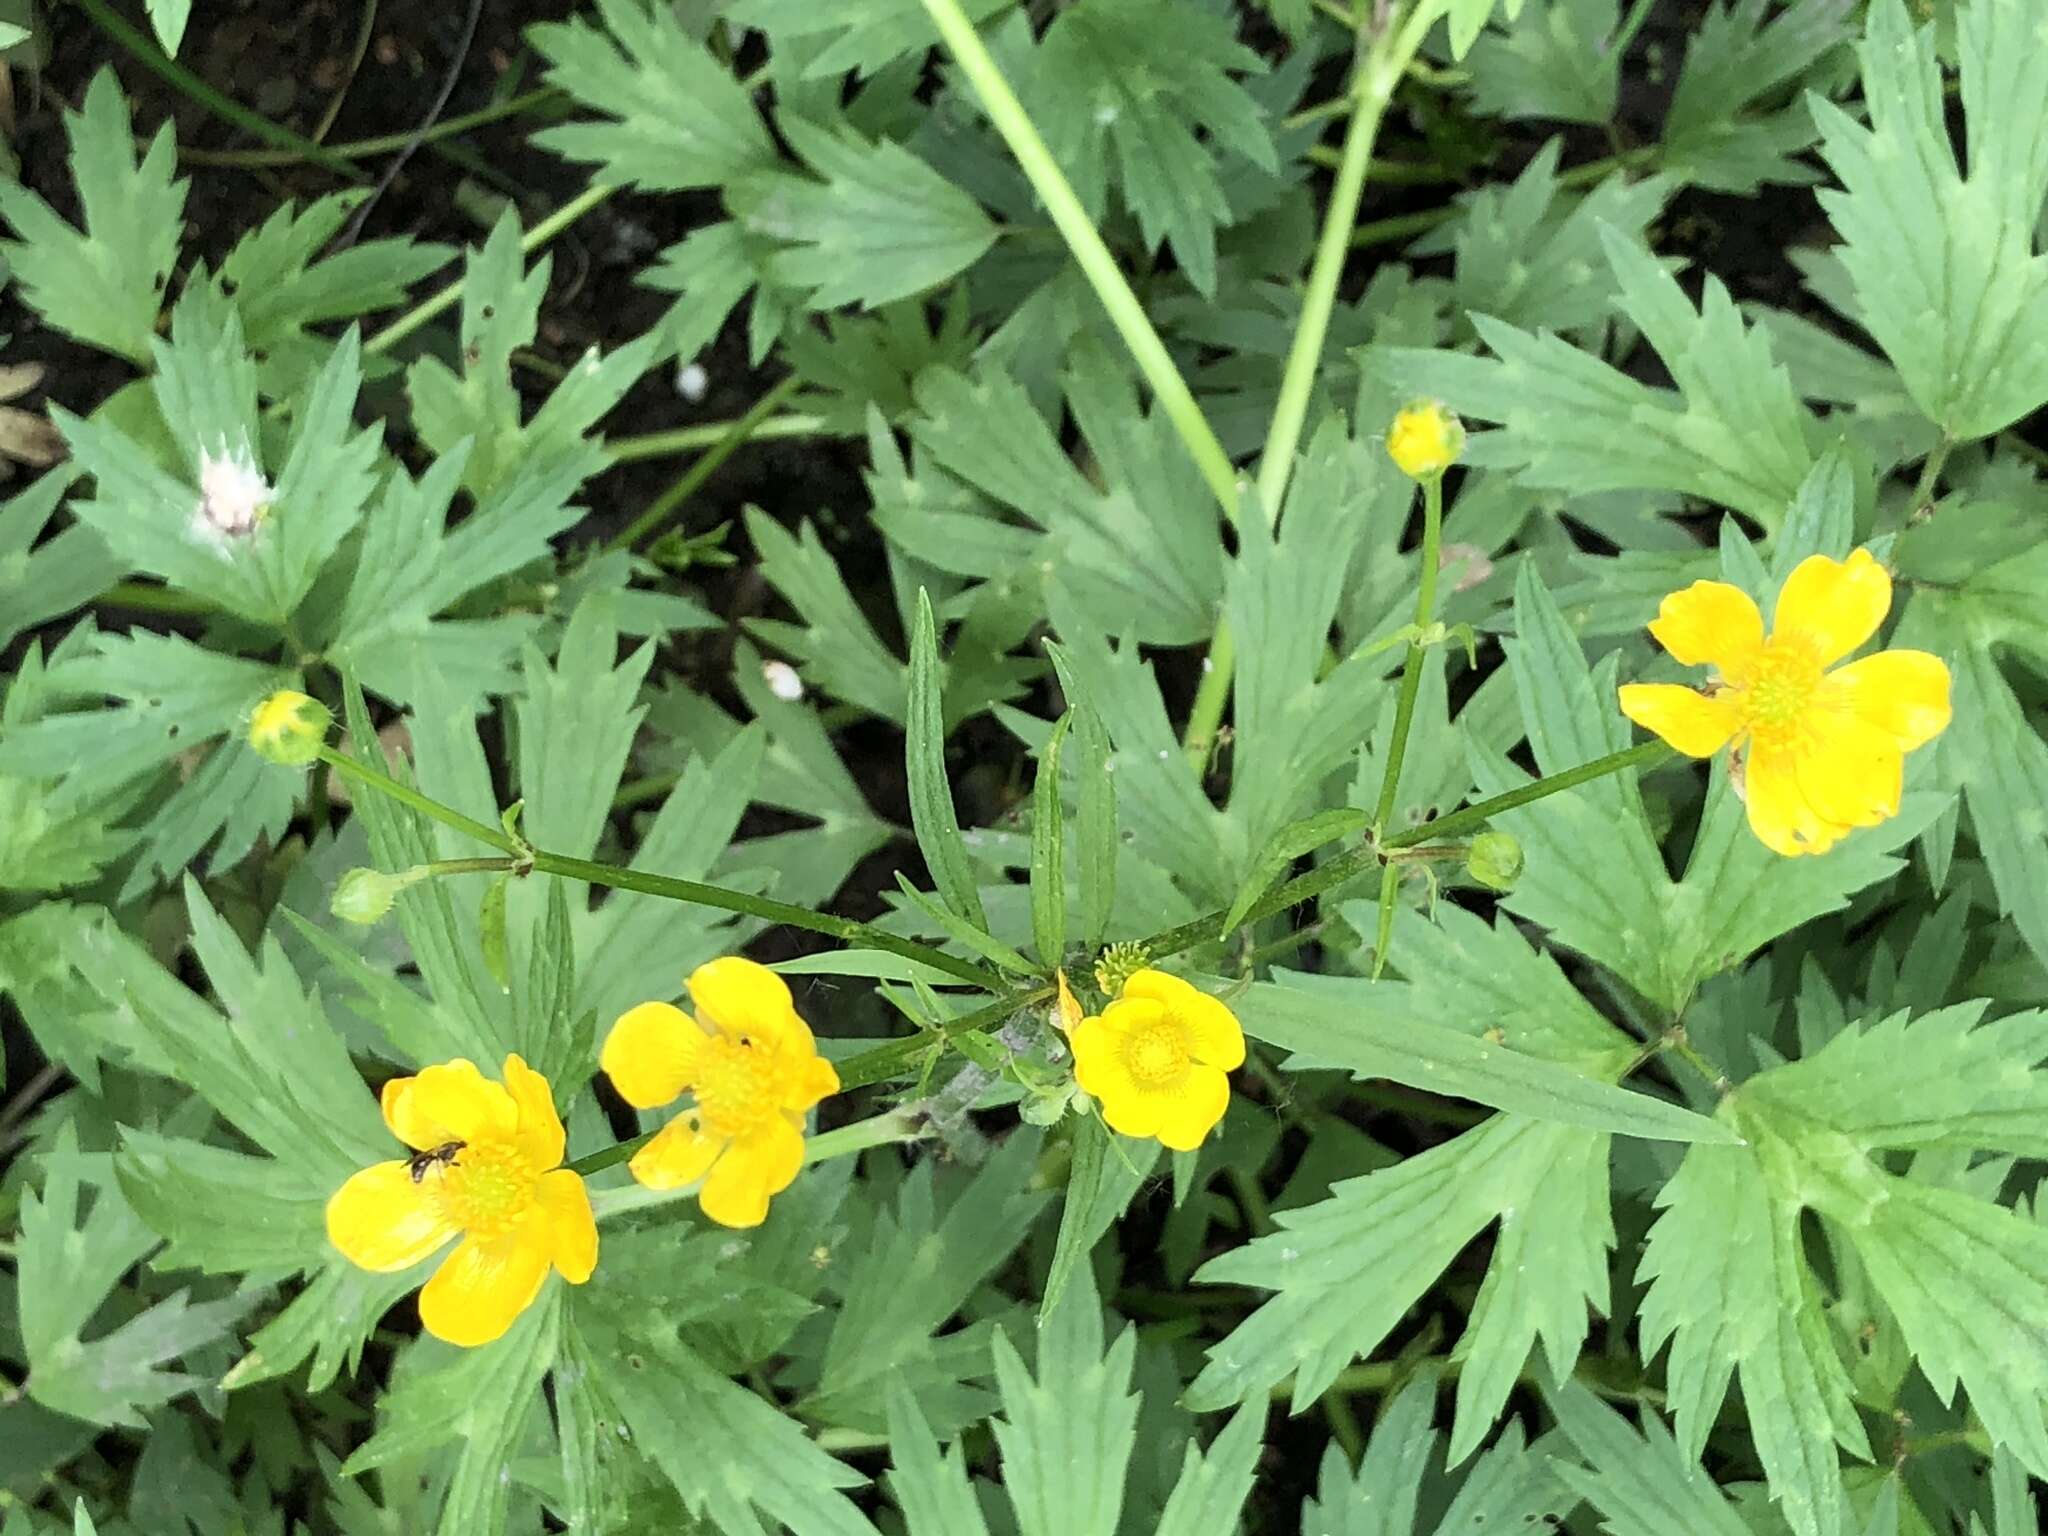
[(899, 1057), (1643, 755), (1072, 220), (440, 867), (709, 434), (533, 240), (146, 597), (1346, 867), (539, 861), (1930, 473), (1378, 73), (1411, 671), (152, 58), (882, 1130), (665, 506), (1404, 709), (876, 1131), (365, 149)]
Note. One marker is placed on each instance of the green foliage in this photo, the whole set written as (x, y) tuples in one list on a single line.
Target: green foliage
[(877, 224), (1928, 249), (1127, 83), (1045, 622), (67, 1266), (103, 283)]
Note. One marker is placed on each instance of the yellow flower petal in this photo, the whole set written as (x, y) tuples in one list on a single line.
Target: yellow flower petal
[(681, 1153), (1697, 724), (651, 1054), (1710, 623), (382, 1221), (1424, 439), (566, 1204), (1098, 1065), (737, 997), (816, 1080), (1217, 1039), (756, 1166), (483, 1286), (1186, 1117), (449, 1102), (540, 1135), (1066, 1008), (1836, 604), (1853, 774), (1132, 1110), (1903, 693), (1779, 813)]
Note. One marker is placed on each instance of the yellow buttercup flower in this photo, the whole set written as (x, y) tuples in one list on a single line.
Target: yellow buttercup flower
[(1156, 1057), (1816, 752), (289, 728), (753, 1069), (1425, 439), (485, 1167)]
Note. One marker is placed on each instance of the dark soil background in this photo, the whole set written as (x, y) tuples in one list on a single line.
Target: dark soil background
[(292, 61)]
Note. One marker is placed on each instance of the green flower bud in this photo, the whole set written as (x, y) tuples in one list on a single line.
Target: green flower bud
[(1043, 1108), (365, 895), (1494, 860), (1117, 965), (289, 728)]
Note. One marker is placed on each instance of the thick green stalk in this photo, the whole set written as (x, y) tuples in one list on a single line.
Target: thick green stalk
[(1378, 73), (1072, 220), (539, 861)]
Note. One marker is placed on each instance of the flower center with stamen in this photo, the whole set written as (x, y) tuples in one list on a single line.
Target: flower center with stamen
[(487, 1188), (1779, 692), (1157, 1054), (735, 1086)]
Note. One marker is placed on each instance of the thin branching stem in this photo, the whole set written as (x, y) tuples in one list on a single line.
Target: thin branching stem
[(540, 861), (1349, 865), (669, 502)]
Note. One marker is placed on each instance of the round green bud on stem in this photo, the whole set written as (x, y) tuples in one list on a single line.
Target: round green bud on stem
[(1494, 860), (364, 896), (289, 728)]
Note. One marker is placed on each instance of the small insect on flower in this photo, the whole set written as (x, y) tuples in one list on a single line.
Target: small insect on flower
[(1425, 439), (1816, 753), (753, 1070), (485, 1167), (234, 498), (1156, 1059), (421, 1163), (289, 728)]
